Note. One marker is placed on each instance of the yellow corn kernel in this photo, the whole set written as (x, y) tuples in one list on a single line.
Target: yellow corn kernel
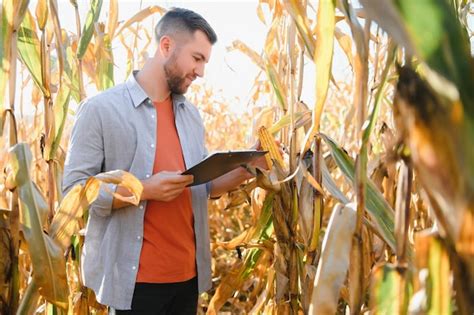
[(268, 144)]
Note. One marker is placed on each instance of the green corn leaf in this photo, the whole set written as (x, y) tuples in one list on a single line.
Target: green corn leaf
[(105, 65), (60, 108), (441, 41), (390, 290), (88, 30), (431, 30), (439, 288), (29, 49), (5, 44), (277, 85), (73, 76), (378, 208)]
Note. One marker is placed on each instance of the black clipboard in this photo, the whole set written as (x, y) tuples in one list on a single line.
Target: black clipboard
[(220, 163)]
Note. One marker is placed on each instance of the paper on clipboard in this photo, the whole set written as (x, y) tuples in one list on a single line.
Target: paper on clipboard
[(220, 163)]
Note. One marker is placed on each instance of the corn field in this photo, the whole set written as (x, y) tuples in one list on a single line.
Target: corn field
[(369, 210)]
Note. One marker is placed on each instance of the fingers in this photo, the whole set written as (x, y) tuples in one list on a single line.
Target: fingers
[(166, 186), (180, 180), (172, 184), (176, 178), (166, 192), (170, 191), (257, 146)]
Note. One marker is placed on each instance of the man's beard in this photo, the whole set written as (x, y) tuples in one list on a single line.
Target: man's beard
[(174, 77)]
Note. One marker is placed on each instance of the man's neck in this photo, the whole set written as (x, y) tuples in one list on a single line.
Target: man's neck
[(152, 80)]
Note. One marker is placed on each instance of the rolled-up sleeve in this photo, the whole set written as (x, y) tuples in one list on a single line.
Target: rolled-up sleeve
[(85, 156)]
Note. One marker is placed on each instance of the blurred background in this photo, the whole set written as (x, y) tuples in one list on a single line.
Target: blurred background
[(370, 207)]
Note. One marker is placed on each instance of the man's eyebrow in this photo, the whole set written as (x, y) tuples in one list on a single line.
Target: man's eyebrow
[(201, 56)]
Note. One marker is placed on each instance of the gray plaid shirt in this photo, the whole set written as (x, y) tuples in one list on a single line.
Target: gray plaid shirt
[(116, 130)]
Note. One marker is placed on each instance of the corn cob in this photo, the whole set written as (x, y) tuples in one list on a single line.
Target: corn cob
[(268, 144)]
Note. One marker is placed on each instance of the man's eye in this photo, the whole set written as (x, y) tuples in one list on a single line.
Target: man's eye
[(196, 58)]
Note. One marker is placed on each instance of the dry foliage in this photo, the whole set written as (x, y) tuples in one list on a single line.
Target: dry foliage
[(371, 209)]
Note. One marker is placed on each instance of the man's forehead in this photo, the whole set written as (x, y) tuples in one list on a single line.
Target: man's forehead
[(198, 43), (190, 37)]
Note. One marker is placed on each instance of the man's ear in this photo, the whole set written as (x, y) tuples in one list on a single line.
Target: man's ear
[(166, 45)]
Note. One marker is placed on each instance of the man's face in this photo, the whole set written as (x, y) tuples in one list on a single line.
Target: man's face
[(187, 61)]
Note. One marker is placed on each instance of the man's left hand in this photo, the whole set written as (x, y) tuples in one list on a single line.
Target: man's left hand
[(261, 162)]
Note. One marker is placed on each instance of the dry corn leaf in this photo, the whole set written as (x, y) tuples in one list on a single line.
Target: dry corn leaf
[(334, 261), (252, 54), (42, 13), (323, 55), (47, 257), (140, 16), (113, 18), (126, 180)]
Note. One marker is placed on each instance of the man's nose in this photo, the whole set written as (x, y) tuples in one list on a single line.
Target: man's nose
[(199, 70)]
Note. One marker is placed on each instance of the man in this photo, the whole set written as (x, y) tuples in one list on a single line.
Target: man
[(154, 258)]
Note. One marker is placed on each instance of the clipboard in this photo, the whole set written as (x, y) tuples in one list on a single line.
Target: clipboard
[(220, 163)]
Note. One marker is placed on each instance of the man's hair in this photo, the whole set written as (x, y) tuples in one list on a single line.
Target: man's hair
[(177, 20)]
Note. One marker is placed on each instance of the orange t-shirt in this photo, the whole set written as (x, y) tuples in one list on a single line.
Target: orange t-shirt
[(169, 249)]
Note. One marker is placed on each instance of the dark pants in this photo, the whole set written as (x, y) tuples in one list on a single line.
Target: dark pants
[(164, 298)]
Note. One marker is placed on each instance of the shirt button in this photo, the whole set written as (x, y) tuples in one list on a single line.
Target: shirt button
[(149, 101), (141, 207), (152, 145), (153, 116), (134, 267), (147, 175), (139, 237)]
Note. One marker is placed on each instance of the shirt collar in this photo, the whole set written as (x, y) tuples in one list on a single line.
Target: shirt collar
[(139, 96)]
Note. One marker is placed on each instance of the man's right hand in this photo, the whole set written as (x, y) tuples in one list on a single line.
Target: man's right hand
[(165, 186)]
